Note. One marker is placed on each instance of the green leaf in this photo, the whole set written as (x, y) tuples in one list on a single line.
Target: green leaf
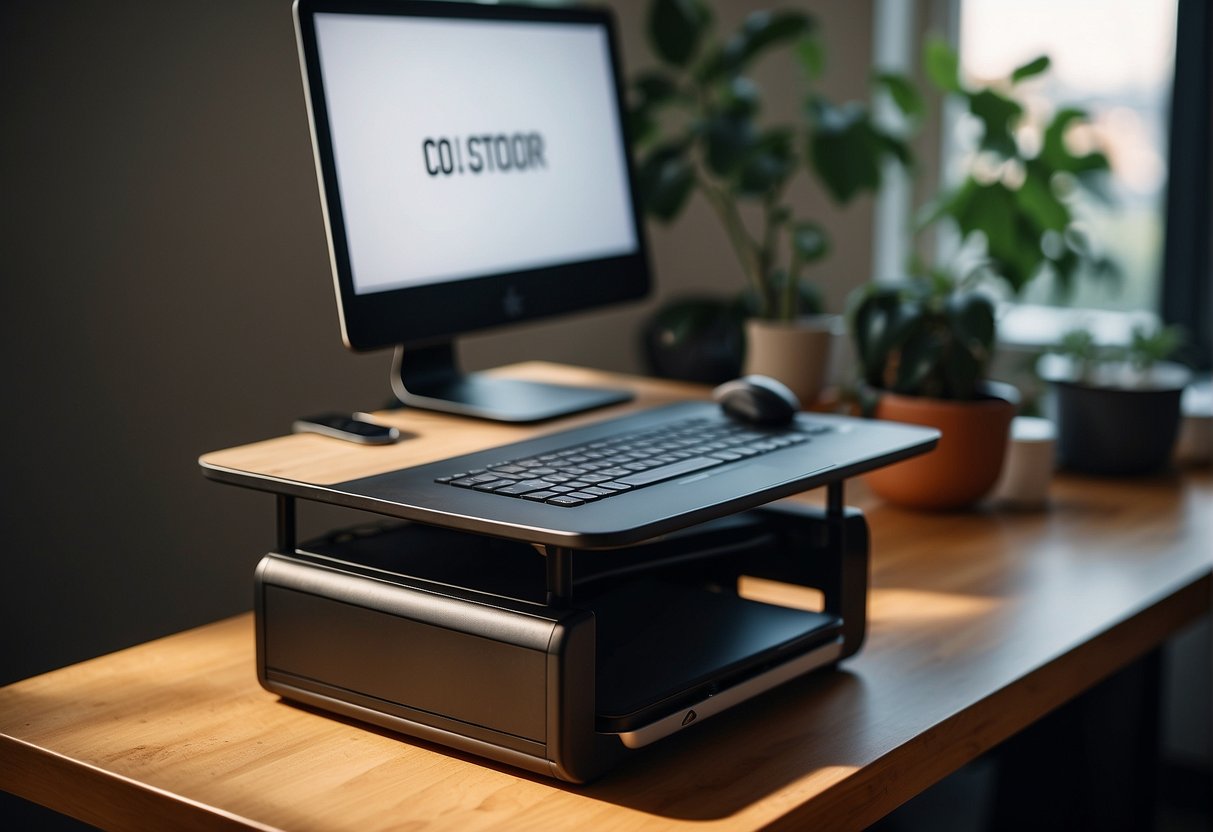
[(948, 204), (844, 149), (641, 126), (676, 28), (665, 179), (1012, 244), (1038, 201), (655, 87), (810, 241), (729, 141), (942, 65), (741, 97), (761, 172), (903, 92), (999, 116), (962, 370), (1034, 67), (894, 146), (870, 313), (971, 317), (1056, 154), (762, 30), (920, 354), (770, 162), (811, 54)]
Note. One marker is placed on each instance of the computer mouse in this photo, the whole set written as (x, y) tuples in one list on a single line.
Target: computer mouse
[(757, 400)]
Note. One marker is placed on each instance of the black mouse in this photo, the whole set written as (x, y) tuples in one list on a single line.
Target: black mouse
[(757, 400)]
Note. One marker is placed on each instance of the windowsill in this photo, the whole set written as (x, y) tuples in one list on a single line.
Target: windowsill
[(1034, 328)]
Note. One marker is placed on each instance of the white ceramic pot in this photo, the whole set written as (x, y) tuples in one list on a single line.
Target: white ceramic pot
[(795, 352)]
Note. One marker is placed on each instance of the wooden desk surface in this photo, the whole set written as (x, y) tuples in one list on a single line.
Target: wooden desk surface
[(981, 622)]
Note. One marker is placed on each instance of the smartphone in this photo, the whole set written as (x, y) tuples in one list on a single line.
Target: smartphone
[(350, 427)]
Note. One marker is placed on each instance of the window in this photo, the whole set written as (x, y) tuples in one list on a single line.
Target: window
[(1115, 59)]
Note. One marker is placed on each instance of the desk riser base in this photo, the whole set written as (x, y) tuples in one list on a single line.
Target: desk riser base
[(510, 679)]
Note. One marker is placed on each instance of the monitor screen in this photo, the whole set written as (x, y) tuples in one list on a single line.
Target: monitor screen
[(474, 165)]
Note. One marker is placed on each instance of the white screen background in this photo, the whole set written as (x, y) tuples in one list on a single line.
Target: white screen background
[(393, 82)]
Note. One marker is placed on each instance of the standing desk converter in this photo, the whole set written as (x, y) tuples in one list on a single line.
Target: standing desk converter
[(979, 624), (625, 626)]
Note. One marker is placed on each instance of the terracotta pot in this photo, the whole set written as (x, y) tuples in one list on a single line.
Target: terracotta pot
[(965, 465), (794, 352)]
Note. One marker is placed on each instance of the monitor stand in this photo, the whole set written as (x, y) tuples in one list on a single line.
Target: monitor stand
[(430, 379)]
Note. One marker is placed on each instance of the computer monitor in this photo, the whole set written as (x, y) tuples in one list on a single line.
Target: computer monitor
[(474, 173)]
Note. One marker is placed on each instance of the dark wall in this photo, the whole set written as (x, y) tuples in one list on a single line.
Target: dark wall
[(165, 293)]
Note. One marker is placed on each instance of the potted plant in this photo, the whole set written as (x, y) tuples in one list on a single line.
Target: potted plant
[(1118, 410), (924, 346), (695, 124)]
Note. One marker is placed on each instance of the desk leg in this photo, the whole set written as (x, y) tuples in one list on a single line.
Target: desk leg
[(1091, 764)]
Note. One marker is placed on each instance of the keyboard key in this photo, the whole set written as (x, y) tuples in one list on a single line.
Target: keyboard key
[(492, 486), (507, 469), (466, 482), (538, 496), (614, 486), (583, 495), (665, 472), (561, 489), (565, 500), (524, 487), (596, 491), (727, 456), (443, 479)]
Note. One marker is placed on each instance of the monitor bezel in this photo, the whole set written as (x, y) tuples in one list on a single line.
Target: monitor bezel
[(442, 311)]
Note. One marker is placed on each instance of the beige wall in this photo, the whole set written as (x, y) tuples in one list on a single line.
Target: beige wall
[(691, 255)]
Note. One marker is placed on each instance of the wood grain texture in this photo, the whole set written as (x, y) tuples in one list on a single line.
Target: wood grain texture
[(321, 460), (981, 622)]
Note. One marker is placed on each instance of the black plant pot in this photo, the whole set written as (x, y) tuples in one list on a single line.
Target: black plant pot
[(695, 339), (1108, 430)]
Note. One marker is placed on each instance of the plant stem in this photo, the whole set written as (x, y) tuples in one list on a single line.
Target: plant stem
[(766, 254), (791, 288), (743, 245)]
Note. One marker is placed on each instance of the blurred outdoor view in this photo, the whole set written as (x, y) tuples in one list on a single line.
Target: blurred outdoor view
[(1115, 59)]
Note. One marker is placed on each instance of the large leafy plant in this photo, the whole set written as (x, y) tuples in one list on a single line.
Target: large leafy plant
[(695, 123), (1015, 192), (934, 335)]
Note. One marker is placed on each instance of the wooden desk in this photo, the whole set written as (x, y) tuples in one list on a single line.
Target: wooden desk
[(980, 623)]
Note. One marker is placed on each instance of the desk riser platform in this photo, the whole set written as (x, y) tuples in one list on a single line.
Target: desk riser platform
[(453, 639)]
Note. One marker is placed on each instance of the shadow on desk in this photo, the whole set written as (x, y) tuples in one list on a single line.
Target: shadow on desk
[(695, 775)]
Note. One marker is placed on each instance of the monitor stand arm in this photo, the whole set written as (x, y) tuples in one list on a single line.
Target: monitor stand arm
[(429, 378)]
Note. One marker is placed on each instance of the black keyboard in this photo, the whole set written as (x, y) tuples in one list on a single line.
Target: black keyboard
[(597, 470)]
